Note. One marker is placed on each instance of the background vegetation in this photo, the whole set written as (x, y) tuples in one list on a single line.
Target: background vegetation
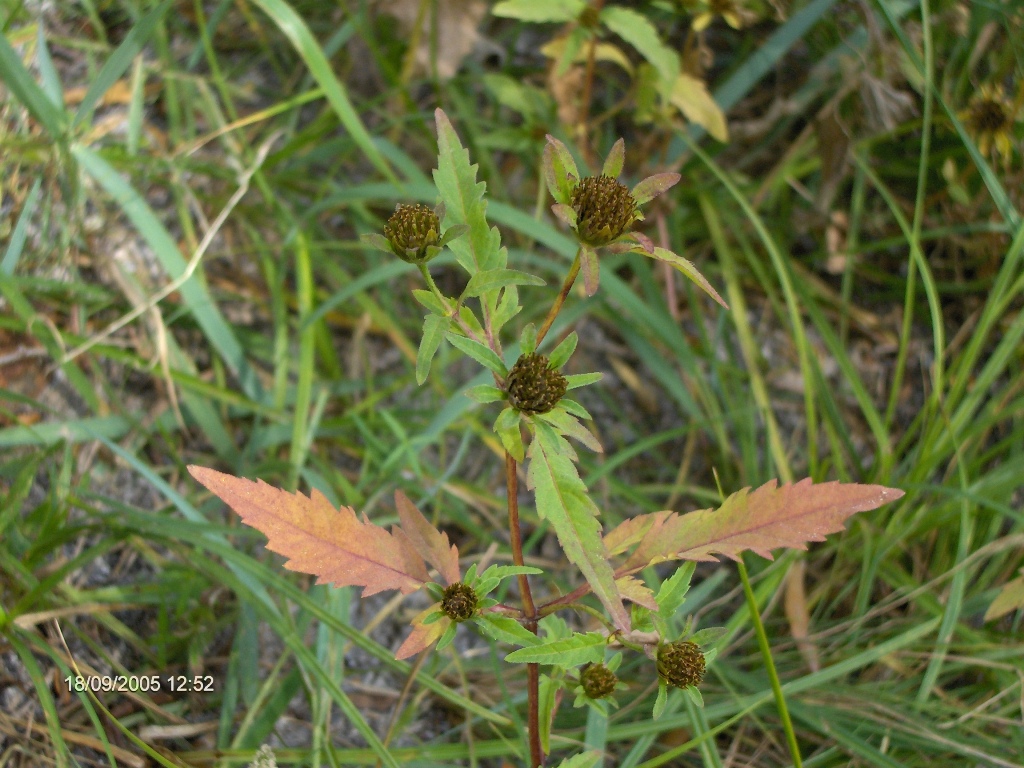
[(183, 185)]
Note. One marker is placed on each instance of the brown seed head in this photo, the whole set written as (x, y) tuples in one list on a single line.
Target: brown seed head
[(459, 602), (533, 386), (598, 681), (604, 209), (411, 230), (681, 664), (988, 115)]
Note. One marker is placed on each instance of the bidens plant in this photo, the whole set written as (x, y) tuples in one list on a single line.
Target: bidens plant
[(535, 423)]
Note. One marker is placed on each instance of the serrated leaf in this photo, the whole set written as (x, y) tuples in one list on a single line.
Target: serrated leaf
[(569, 426), (423, 635), (562, 500), (585, 760), (547, 689), (690, 96), (631, 588), (1010, 598), (464, 202), (434, 329), (673, 591), (560, 355), (504, 629), (570, 652), (539, 10), (637, 30), (767, 519), (577, 380), (332, 544), (432, 545), (687, 268), (485, 393), (484, 355), (631, 531), (489, 279)]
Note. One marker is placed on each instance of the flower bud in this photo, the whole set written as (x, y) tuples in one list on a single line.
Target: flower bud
[(413, 231), (533, 386), (605, 209), (681, 664), (459, 602), (597, 680)]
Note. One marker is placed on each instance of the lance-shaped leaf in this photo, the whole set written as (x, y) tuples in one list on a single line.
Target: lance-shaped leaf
[(490, 279), (423, 635), (578, 649), (464, 202), (431, 544), (632, 531), (434, 329), (687, 268), (767, 519), (562, 500), (332, 544)]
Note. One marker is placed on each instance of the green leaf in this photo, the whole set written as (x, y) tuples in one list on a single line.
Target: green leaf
[(511, 436), (485, 393), (616, 158), (28, 92), (486, 356), (707, 636), (694, 694), (490, 279), (576, 650), (548, 687), (447, 637), (569, 426), (119, 61), (539, 10), (562, 500), (508, 308), (464, 202), (560, 172), (687, 268), (434, 329), (661, 701), (501, 572), (673, 591), (504, 629), (637, 30), (429, 301), (560, 355), (528, 339), (577, 410), (577, 380)]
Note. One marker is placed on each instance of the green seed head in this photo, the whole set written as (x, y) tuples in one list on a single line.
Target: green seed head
[(459, 602), (597, 680), (533, 386), (605, 209), (681, 664), (411, 231)]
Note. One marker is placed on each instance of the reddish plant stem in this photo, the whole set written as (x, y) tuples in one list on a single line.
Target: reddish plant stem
[(570, 278), (529, 610)]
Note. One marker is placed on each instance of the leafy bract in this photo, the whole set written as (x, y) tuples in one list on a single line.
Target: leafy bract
[(434, 329), (562, 500), (431, 544), (464, 202), (570, 652), (423, 634), (767, 519)]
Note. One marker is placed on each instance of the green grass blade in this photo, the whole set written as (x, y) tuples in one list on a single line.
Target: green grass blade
[(25, 89)]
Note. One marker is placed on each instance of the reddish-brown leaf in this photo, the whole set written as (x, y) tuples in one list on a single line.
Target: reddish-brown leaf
[(631, 531), (431, 544), (767, 519), (423, 635), (332, 544), (631, 588)]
